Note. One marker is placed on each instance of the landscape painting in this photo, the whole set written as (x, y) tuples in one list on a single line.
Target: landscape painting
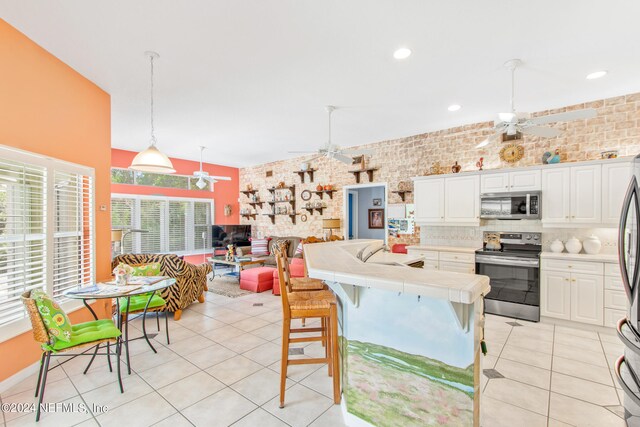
[(408, 371)]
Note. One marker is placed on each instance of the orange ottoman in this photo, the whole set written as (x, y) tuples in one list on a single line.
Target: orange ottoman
[(257, 279), (296, 267)]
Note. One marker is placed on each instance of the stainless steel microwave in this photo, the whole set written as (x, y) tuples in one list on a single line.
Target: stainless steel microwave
[(520, 205)]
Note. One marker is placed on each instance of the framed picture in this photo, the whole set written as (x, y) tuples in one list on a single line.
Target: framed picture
[(377, 202), (376, 218)]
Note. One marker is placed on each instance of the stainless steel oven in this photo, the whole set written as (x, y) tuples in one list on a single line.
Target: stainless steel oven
[(520, 205), (513, 265)]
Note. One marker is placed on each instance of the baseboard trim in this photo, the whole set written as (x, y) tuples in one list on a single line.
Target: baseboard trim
[(20, 376)]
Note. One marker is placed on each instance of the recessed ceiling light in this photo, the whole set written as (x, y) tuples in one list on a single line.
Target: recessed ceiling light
[(596, 75), (402, 53), (454, 107)]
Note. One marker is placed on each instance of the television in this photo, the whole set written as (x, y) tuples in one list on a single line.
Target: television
[(224, 235)]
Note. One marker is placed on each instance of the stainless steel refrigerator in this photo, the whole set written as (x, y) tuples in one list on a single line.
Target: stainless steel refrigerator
[(627, 366)]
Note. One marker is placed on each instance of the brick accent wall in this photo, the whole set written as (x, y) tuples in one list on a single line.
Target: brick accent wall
[(617, 127)]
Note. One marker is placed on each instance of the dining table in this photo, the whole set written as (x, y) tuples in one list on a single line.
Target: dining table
[(101, 291)]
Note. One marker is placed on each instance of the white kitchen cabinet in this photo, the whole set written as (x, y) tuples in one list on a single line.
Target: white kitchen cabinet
[(556, 203), (586, 194), (494, 183), (555, 294), (615, 179), (429, 199), (462, 201), (457, 267), (587, 299), (526, 180), (459, 262)]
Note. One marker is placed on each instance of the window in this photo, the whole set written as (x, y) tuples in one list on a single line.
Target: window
[(183, 182), (46, 228), (171, 224)]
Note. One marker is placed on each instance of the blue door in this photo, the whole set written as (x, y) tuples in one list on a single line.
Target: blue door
[(350, 216)]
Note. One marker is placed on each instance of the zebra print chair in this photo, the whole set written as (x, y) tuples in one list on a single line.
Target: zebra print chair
[(191, 280)]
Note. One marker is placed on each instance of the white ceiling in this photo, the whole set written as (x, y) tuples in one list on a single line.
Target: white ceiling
[(250, 78)]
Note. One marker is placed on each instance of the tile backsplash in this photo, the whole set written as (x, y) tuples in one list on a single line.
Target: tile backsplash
[(472, 236)]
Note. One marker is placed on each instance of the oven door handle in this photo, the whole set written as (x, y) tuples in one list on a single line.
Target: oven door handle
[(515, 262)]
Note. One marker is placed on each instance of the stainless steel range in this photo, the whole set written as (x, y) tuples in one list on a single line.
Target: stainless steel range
[(512, 262)]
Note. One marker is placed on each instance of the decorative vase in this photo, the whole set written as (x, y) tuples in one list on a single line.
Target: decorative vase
[(456, 168), (592, 245), (573, 245), (557, 246), (319, 187), (304, 166), (122, 279), (327, 187)]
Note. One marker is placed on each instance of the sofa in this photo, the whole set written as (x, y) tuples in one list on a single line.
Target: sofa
[(270, 260), (191, 280)]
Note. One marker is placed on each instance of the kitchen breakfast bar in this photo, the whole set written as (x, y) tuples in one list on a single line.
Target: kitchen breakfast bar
[(410, 338)]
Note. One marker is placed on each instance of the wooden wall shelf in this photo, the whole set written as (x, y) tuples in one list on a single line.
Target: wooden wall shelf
[(273, 217), (319, 210), (248, 192), (291, 188), (323, 192), (369, 172), (248, 216), (309, 173), (254, 204), (402, 193)]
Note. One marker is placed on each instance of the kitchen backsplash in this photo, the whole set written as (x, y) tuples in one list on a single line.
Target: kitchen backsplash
[(472, 236)]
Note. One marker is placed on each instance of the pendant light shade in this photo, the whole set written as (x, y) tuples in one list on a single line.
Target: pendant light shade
[(151, 159)]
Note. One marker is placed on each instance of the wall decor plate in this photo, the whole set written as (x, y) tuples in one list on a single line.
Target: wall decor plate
[(511, 153), (305, 195)]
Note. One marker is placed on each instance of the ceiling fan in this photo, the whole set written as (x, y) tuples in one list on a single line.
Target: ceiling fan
[(332, 151), (203, 177), (513, 122)]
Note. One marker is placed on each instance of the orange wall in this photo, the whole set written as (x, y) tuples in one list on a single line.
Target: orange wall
[(46, 107), (224, 193)]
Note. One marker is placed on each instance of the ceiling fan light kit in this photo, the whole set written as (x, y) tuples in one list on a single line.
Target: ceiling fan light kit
[(152, 159)]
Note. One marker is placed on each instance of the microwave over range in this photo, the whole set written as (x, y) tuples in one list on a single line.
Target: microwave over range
[(516, 205)]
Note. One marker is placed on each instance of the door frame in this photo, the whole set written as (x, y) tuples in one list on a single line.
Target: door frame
[(345, 205), (354, 193)]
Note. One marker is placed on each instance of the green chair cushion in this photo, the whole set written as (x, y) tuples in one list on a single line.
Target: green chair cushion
[(138, 302), (53, 316), (87, 332), (151, 269)]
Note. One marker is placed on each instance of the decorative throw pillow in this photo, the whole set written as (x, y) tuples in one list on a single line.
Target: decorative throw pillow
[(151, 269), (55, 319), (281, 245), (260, 246), (299, 249)]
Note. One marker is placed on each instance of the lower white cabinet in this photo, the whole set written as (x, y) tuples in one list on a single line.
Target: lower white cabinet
[(459, 262), (555, 294), (457, 267), (587, 298), (581, 291)]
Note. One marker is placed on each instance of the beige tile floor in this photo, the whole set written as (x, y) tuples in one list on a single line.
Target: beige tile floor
[(222, 368)]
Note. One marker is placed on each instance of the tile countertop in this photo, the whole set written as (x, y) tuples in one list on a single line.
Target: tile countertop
[(445, 248), (609, 258), (337, 262)]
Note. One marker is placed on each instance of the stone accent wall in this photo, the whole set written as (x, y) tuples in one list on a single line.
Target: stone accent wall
[(617, 127)]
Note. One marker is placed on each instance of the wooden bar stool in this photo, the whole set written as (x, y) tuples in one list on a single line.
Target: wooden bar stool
[(301, 284), (303, 305)]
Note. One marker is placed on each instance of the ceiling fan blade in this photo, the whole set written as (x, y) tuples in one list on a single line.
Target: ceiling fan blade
[(488, 140), (344, 159), (587, 113), (220, 178), (364, 151), (303, 152), (542, 131)]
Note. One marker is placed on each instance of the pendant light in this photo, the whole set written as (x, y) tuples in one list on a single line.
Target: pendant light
[(151, 159)]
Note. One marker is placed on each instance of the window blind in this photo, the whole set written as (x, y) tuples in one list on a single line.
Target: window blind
[(22, 235), (172, 224), (46, 228)]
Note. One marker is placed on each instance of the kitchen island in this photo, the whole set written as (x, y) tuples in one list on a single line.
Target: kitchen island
[(410, 337)]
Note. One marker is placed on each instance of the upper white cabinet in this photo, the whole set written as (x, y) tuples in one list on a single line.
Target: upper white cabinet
[(571, 196), (556, 187), (462, 201), (453, 200), (615, 179), (429, 200), (526, 180)]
